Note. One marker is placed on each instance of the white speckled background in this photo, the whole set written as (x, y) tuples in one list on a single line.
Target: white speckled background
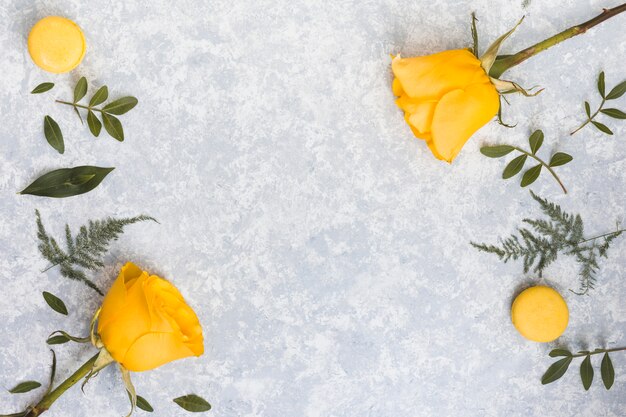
[(324, 249)]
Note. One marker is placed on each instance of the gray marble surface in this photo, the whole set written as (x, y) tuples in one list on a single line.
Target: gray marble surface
[(323, 247)]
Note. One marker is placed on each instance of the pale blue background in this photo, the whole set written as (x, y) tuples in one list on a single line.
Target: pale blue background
[(323, 247)]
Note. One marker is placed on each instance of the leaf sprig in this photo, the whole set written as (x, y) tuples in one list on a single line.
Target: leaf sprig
[(539, 245), (111, 124), (615, 93), (560, 367), (86, 250), (516, 164)]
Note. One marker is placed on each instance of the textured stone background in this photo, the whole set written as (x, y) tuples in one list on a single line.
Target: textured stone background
[(324, 249)]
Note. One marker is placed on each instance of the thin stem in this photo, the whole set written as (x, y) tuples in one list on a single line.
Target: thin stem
[(556, 177), (54, 395), (78, 105), (505, 62), (590, 117), (598, 351), (603, 235)]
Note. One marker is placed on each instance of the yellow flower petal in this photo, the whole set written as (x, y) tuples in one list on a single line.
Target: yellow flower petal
[(155, 349), (429, 77), (396, 87), (459, 114)]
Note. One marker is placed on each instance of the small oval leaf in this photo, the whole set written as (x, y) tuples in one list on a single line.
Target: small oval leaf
[(193, 403), (535, 140), (121, 105), (586, 372), (53, 134), (531, 175), (559, 352), (95, 126), (556, 370), (113, 126), (100, 96), (617, 91), (560, 158), (57, 340), (67, 182), (602, 128), (514, 166), (601, 88), (55, 303), (614, 113), (143, 404), (42, 88), (496, 151), (80, 90), (607, 371), (587, 109), (25, 386)]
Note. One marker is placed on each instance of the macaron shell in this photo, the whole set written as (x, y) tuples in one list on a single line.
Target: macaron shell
[(56, 44), (540, 314)]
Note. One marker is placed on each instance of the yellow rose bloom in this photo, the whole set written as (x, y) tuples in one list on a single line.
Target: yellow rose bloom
[(145, 322), (446, 97)]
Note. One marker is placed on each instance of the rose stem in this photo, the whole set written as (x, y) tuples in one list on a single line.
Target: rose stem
[(54, 395), (505, 62)]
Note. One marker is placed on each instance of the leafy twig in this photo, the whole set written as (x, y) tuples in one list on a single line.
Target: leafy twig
[(539, 245), (559, 368), (515, 166), (615, 93), (86, 250), (112, 124)]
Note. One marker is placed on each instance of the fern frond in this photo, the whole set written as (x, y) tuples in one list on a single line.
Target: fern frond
[(86, 250), (539, 246)]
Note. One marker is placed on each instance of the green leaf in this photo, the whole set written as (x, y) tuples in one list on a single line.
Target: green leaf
[(614, 113), (607, 371), (531, 175), (535, 140), (80, 90), (121, 105), (100, 96), (53, 134), (144, 404), (601, 84), (586, 372), (23, 387), (113, 126), (602, 128), (559, 352), (559, 158), (67, 337), (67, 182), (514, 166), (193, 403), (556, 370), (55, 303), (57, 340), (95, 126), (496, 151), (617, 91), (588, 109), (53, 371), (78, 114), (42, 88)]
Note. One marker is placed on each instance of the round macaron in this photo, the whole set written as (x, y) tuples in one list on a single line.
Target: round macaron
[(540, 314), (56, 44)]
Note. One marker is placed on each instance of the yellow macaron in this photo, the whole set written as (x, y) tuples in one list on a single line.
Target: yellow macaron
[(56, 44), (540, 314)]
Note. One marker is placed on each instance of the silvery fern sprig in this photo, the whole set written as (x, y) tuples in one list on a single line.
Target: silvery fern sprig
[(559, 368), (85, 250), (111, 124), (615, 93), (516, 164), (562, 233)]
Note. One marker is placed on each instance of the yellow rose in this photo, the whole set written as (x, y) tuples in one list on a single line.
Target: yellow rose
[(446, 97), (145, 322)]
